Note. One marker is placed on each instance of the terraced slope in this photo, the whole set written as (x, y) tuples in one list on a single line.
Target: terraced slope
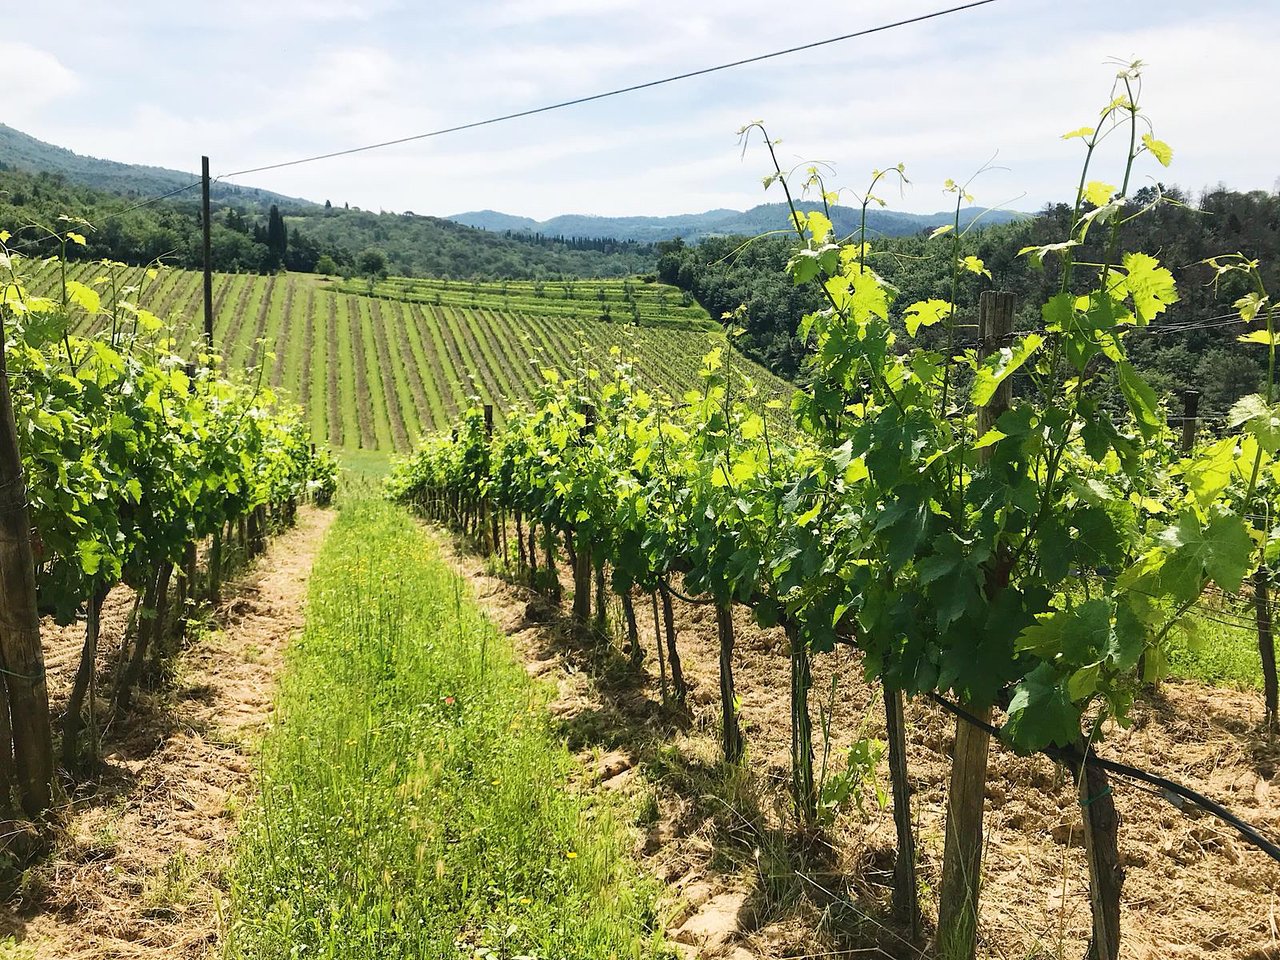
[(627, 300), (378, 372)]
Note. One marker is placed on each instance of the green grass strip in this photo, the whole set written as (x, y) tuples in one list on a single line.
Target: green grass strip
[(414, 801)]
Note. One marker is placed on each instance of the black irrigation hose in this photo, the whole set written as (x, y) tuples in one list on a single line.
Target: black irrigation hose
[(680, 596), (1174, 793)]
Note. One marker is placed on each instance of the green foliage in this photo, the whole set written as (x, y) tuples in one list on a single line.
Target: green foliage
[(1036, 565), (247, 237), (413, 799), (399, 365), (129, 452)]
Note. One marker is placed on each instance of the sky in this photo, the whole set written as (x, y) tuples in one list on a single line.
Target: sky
[(255, 82)]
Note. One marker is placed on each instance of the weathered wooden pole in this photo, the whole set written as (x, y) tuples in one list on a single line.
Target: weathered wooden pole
[(1266, 642), (962, 850), (28, 755), (1190, 422)]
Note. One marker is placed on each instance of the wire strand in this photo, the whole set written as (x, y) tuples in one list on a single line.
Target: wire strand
[(610, 93)]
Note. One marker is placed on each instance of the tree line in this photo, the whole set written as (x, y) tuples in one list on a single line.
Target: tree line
[(249, 238), (1188, 348)]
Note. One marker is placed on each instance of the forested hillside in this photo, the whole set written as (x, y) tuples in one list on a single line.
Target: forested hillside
[(693, 226), (20, 151), (116, 227), (1183, 349)]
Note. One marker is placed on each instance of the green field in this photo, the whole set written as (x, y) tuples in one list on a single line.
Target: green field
[(412, 802), (378, 372)]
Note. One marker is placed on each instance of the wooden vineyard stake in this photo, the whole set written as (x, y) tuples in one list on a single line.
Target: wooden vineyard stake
[(1190, 422), (26, 737), (962, 851), (1266, 643)]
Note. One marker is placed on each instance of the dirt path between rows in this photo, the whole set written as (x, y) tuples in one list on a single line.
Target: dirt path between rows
[(1193, 888), (139, 866)]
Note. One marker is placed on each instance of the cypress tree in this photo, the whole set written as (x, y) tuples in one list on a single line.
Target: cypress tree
[(277, 236)]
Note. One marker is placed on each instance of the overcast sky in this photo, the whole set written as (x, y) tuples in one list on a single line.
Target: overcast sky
[(252, 82)]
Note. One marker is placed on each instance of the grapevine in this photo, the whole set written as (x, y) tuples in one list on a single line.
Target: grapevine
[(1007, 522)]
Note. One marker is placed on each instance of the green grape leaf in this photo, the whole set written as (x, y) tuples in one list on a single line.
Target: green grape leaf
[(1222, 549), (1077, 635), (1259, 336), (1159, 149), (925, 313), (1084, 682), (1150, 285), (90, 553), (1038, 253), (1210, 472), (752, 428), (1260, 420), (1041, 712), (1142, 400), (1097, 193), (84, 296), (995, 369)]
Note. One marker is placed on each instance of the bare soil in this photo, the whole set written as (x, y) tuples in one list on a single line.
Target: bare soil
[(141, 850), (721, 839)]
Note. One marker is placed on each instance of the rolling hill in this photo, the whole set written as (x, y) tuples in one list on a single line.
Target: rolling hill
[(378, 372), (21, 151), (694, 226)]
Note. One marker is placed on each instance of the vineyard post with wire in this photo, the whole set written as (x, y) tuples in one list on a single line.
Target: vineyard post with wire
[(1190, 420), (26, 734), (962, 853)]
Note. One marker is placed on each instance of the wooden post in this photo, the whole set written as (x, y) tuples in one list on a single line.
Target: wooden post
[(579, 551), (962, 850), (602, 594), (30, 759), (1266, 643), (208, 253), (1190, 407), (215, 566), (551, 576), (1106, 875)]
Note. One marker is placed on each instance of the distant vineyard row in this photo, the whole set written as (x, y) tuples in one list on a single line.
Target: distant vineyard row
[(625, 300), (378, 373)]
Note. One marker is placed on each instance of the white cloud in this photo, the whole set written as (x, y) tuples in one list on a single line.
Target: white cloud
[(941, 96), (34, 79)]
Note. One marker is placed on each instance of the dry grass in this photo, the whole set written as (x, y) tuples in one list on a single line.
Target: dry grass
[(138, 867)]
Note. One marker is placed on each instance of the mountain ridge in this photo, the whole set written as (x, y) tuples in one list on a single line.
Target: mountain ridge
[(21, 151), (720, 222)]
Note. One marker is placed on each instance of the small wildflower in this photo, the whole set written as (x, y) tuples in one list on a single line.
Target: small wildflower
[(571, 855), (448, 701)]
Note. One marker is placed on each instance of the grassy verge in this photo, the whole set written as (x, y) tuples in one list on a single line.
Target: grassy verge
[(413, 802), (1221, 650)]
